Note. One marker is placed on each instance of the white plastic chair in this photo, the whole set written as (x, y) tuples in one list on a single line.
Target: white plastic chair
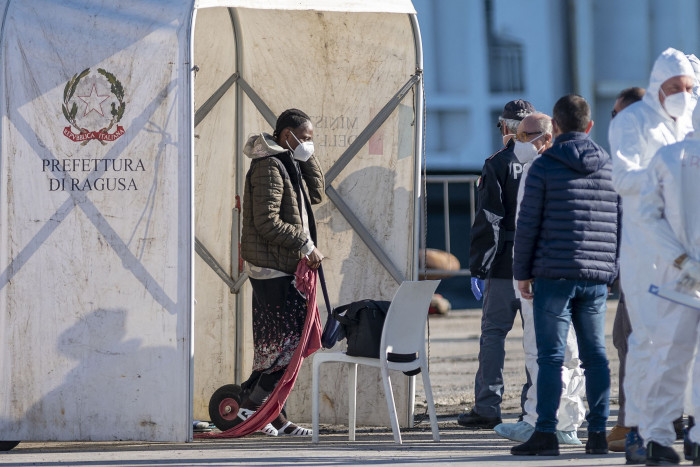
[(403, 333)]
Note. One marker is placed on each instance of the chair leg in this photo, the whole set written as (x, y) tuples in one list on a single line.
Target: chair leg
[(352, 400), (412, 398), (390, 405), (314, 400), (431, 404)]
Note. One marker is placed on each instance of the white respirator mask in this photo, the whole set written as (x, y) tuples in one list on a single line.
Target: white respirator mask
[(303, 151), (678, 104), (526, 152)]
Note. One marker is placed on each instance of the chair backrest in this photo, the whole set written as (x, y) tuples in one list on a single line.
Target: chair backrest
[(404, 325)]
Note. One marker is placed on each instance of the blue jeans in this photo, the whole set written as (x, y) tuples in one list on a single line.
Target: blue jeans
[(557, 304)]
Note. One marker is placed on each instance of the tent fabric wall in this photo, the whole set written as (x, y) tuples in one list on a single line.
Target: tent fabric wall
[(102, 282), (95, 244)]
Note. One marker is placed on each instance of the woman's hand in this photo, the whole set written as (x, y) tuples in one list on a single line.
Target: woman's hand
[(314, 259)]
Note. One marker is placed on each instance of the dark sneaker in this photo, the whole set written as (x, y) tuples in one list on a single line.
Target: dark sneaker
[(678, 427), (691, 451), (635, 452), (596, 444), (658, 454), (472, 419), (539, 444), (688, 446)]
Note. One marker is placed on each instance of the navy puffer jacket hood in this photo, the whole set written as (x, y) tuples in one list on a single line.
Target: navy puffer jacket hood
[(579, 152)]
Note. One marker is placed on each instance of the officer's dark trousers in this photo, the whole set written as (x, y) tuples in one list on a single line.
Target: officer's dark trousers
[(496, 321), (620, 333)]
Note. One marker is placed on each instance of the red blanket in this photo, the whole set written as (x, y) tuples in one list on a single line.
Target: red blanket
[(310, 342)]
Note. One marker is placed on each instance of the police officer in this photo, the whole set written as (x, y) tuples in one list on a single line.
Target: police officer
[(491, 266)]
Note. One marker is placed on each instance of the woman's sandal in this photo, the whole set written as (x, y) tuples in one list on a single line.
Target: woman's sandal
[(268, 429), (298, 431)]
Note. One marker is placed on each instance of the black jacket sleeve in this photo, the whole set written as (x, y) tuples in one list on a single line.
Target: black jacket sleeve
[(487, 227)]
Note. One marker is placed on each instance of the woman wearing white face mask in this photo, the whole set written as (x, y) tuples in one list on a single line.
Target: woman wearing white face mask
[(279, 231)]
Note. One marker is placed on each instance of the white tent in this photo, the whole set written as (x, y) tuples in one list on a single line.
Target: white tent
[(123, 301)]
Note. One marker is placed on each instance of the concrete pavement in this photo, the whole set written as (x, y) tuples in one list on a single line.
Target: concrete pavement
[(454, 347)]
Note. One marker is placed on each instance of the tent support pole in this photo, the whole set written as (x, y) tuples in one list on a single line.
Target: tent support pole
[(260, 104), (370, 129), (207, 257), (240, 180), (214, 99), (233, 284), (419, 105), (364, 234), (345, 159), (189, 137), (418, 148)]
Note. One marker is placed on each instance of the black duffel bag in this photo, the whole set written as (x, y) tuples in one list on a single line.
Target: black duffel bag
[(362, 323)]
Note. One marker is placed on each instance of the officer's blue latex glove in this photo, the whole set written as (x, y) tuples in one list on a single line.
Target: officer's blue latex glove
[(477, 287)]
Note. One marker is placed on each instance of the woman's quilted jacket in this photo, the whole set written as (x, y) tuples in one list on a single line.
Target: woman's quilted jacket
[(275, 186)]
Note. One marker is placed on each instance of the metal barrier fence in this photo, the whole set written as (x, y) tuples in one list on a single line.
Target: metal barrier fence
[(469, 182)]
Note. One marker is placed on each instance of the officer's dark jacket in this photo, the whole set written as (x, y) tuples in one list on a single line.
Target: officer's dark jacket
[(491, 248)]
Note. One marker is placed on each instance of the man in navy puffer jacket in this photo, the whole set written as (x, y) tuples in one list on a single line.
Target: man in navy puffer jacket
[(565, 256)]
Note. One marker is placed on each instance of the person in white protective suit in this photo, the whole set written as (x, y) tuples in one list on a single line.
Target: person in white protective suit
[(695, 63), (662, 117), (534, 136), (671, 219)]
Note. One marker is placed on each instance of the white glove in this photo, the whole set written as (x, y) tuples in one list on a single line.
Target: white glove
[(690, 272)]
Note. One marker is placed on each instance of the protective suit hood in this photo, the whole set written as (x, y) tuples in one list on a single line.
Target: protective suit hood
[(696, 123), (670, 63), (695, 63), (262, 145), (577, 151)]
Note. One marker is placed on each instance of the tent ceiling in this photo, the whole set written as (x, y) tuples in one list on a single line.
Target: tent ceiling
[(374, 6)]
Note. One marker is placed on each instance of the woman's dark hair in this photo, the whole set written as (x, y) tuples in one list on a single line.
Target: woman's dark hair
[(290, 118)]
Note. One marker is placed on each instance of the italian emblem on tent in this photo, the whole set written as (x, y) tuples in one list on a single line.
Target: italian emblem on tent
[(93, 105)]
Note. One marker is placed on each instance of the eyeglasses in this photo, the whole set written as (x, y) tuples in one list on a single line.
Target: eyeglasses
[(525, 136)]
